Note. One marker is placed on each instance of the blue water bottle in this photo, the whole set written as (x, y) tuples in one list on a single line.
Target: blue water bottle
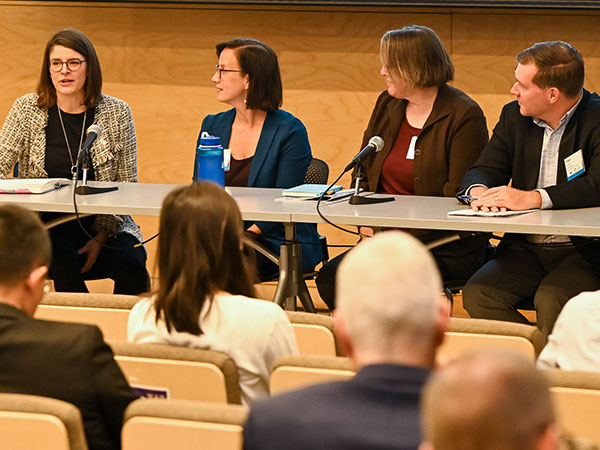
[(209, 160)]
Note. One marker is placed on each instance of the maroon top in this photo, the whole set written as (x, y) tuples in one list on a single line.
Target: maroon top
[(239, 171), (397, 171)]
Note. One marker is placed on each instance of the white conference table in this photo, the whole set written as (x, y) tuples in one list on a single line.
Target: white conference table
[(408, 211), (260, 204), (145, 199)]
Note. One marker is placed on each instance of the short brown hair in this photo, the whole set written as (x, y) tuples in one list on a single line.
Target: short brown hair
[(24, 244), (260, 63), (75, 40), (559, 65), (486, 400), (416, 54), (199, 253)]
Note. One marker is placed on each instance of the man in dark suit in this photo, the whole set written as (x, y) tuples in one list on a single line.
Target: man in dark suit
[(390, 319), (66, 361), (548, 143)]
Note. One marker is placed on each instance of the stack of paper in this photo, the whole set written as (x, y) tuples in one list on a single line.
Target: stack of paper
[(31, 185), (310, 190)]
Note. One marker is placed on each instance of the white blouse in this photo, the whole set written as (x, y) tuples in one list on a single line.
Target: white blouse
[(252, 332)]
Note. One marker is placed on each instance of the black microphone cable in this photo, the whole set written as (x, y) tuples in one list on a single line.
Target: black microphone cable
[(88, 234)]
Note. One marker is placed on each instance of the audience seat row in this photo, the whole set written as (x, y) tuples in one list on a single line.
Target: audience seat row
[(149, 423)]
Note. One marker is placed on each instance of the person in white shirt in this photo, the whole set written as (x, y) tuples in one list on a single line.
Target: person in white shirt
[(575, 340), (205, 289)]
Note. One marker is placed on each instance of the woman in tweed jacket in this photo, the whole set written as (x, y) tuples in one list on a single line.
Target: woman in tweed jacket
[(43, 132)]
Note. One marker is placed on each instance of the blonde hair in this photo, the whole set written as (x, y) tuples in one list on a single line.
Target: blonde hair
[(486, 400), (416, 54)]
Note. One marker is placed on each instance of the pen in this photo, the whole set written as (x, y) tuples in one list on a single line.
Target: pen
[(466, 198)]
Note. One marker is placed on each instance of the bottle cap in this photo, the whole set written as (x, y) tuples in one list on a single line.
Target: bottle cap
[(210, 140)]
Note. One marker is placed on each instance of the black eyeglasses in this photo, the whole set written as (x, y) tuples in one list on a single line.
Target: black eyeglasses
[(220, 71), (73, 65)]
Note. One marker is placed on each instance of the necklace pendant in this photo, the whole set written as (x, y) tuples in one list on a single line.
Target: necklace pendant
[(74, 172)]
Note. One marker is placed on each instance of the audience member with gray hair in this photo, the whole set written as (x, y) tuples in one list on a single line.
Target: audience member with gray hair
[(390, 319)]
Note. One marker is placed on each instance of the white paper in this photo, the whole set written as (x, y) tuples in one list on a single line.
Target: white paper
[(468, 212)]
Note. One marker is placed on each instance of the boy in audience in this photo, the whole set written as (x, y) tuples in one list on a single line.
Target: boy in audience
[(390, 319), (66, 361)]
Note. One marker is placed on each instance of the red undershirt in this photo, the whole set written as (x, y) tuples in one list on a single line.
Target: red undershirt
[(397, 171)]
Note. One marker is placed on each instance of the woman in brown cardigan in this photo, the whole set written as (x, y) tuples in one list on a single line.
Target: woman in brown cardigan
[(432, 132)]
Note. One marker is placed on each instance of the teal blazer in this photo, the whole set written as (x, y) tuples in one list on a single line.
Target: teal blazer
[(281, 159)]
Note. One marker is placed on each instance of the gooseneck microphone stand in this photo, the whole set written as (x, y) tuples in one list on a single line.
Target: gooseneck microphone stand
[(84, 189), (357, 199)]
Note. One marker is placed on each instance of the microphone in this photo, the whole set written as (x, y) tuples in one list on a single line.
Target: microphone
[(93, 133), (375, 144)]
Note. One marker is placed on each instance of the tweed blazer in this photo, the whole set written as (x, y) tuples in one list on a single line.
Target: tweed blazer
[(114, 154)]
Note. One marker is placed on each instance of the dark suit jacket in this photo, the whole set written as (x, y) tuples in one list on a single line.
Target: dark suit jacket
[(69, 362), (514, 152), (377, 409), (281, 159), (515, 149)]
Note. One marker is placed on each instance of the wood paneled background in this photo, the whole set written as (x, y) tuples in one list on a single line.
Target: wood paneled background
[(160, 58)]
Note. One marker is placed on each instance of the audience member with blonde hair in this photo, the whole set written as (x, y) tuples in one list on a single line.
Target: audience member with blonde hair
[(390, 320), (205, 289), (488, 401)]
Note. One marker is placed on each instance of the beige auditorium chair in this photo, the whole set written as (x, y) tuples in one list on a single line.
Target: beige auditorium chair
[(464, 335), (179, 372), (576, 396), (109, 312), (296, 371), (314, 334), (158, 424), (30, 422)]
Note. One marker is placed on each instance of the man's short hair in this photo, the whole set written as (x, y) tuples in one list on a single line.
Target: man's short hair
[(388, 287), (24, 244), (486, 400), (559, 65)]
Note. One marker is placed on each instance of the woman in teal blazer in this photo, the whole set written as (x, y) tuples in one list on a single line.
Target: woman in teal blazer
[(269, 146)]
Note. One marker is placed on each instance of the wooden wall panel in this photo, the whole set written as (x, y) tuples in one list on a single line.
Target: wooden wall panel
[(159, 58)]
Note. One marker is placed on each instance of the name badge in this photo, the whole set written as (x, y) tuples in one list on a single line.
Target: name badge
[(226, 159), (574, 165), (411, 148)]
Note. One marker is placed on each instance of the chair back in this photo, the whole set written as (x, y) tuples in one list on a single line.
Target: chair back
[(296, 371), (317, 172), (178, 372), (110, 312), (464, 335), (157, 424), (576, 397), (314, 334), (33, 422)]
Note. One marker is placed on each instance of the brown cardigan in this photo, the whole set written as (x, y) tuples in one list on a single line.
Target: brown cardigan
[(451, 140)]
